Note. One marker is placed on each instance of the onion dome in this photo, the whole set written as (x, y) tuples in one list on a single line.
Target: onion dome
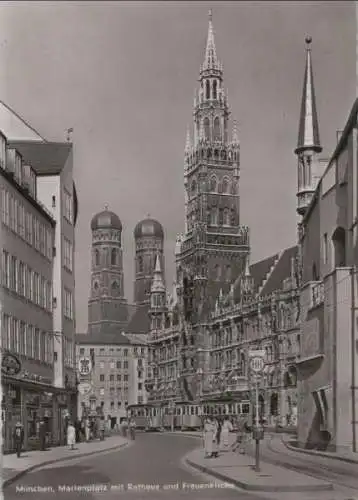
[(148, 228), (106, 220)]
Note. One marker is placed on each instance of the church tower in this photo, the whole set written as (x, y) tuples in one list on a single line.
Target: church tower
[(107, 307), (308, 145), (211, 253), (149, 243), (158, 306)]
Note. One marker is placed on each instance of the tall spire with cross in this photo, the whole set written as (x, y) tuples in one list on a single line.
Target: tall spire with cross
[(308, 144), (211, 60)]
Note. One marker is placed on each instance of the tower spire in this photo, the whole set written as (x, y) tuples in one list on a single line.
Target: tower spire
[(308, 132), (157, 284), (308, 144), (211, 60), (235, 135)]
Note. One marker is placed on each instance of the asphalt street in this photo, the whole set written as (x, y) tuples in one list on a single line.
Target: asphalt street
[(151, 468)]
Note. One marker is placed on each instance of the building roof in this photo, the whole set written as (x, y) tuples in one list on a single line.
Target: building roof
[(140, 321), (106, 219), (281, 271), (46, 158), (102, 339), (147, 228), (260, 270), (14, 127)]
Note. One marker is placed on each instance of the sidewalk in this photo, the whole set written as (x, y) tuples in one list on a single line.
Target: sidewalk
[(12, 468), (238, 470), (349, 457)]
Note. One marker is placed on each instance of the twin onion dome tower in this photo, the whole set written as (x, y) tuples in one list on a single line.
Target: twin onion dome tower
[(108, 310)]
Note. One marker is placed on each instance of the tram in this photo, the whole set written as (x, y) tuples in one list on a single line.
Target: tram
[(147, 417)]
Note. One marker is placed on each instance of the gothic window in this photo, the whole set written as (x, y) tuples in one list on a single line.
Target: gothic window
[(96, 286), (215, 85), (223, 155), (207, 129), (213, 184), (225, 185), (207, 89), (193, 188), (233, 218), (228, 273), (217, 273), (217, 131), (226, 220), (115, 286), (221, 217), (234, 188), (140, 264), (114, 257), (96, 257), (214, 217)]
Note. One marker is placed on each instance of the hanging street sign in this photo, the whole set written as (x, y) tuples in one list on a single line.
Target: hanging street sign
[(257, 360), (84, 366), (10, 364)]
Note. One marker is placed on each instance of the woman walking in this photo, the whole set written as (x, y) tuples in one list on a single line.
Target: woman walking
[(216, 438), (71, 436), (225, 431), (208, 436)]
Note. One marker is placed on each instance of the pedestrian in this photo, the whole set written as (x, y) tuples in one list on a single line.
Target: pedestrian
[(42, 435), (101, 428), (225, 431), (71, 436), (78, 429), (87, 429), (132, 427), (208, 437), (18, 438), (216, 438)]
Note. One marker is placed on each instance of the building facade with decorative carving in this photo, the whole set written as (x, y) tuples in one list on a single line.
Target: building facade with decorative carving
[(38, 380)]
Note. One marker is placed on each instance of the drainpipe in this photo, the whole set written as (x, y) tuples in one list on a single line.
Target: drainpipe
[(353, 364)]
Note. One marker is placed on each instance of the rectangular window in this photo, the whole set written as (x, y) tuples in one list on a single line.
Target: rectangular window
[(101, 378), (16, 213), (49, 244), (82, 351), (42, 238), (5, 331), (6, 217), (14, 335), (49, 296), (22, 338), (118, 365), (5, 269), (37, 234), (68, 254), (30, 341), (43, 346), (12, 213), (37, 344), (29, 228), (43, 292), (13, 274), (101, 365), (111, 378), (126, 378), (119, 378), (2, 152), (140, 399), (21, 220), (140, 386), (325, 248), (68, 306), (67, 206), (35, 281), (125, 365)]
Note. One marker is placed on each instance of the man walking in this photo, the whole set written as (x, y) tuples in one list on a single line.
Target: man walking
[(18, 438)]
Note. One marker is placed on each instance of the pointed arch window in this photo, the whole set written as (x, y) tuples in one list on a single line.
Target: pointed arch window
[(214, 217), (217, 272), (96, 257), (207, 128), (207, 89), (193, 188), (114, 260), (217, 131), (140, 264), (215, 87), (225, 185), (228, 273), (213, 184), (226, 221)]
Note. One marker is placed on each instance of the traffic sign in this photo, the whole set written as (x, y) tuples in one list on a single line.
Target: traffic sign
[(257, 360)]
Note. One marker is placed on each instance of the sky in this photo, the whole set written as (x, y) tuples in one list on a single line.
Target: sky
[(123, 75)]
